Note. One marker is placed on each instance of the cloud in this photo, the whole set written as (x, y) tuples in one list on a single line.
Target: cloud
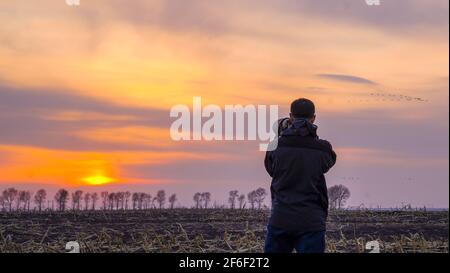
[(213, 18), (387, 129), (207, 170), (52, 119), (346, 78), (19, 100), (400, 16), (175, 15)]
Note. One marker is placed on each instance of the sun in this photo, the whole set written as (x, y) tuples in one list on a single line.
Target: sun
[(97, 180)]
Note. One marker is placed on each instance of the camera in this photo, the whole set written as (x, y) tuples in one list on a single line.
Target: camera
[(281, 125)]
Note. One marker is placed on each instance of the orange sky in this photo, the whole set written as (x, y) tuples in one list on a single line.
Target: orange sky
[(87, 90)]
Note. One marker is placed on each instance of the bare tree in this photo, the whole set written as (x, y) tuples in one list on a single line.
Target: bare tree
[(142, 200), (76, 199), (39, 198), (232, 199), (241, 200), (122, 200), (197, 198), (119, 200), (260, 195), (127, 195), (94, 198), (21, 198), (9, 196), (104, 195), (147, 200), (111, 200), (27, 200), (2, 202), (206, 198), (61, 199), (135, 200), (172, 200), (160, 198), (87, 199), (251, 196), (338, 196)]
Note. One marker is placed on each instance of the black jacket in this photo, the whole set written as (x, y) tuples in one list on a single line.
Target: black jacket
[(297, 167)]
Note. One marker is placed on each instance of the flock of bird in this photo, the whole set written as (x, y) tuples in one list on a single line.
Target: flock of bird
[(350, 178), (386, 97), (357, 179), (396, 97)]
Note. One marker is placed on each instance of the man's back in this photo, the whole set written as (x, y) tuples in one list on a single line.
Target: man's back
[(297, 167)]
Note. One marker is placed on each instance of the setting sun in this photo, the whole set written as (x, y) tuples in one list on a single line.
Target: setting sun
[(98, 180)]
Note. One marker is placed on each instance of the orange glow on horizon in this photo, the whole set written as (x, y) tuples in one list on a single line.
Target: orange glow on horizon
[(97, 180), (86, 168)]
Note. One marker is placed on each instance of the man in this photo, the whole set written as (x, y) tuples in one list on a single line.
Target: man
[(299, 192)]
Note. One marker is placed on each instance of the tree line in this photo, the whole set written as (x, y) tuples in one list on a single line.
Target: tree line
[(20, 200), (13, 199)]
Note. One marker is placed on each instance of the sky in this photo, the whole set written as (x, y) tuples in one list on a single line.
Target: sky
[(86, 91)]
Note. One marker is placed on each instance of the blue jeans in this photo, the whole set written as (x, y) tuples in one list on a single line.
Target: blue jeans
[(283, 241)]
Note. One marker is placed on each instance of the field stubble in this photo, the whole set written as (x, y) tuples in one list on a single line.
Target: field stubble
[(212, 230)]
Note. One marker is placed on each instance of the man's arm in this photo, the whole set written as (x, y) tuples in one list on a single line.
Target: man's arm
[(268, 163), (329, 159)]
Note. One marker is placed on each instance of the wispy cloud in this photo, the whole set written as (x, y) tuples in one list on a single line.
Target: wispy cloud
[(399, 16), (346, 78), (55, 119)]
